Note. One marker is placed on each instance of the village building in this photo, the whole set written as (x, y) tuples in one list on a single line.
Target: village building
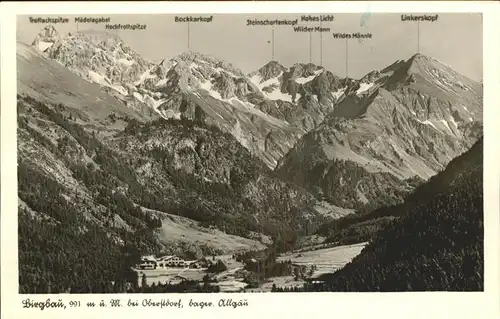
[(194, 264), (147, 262), (171, 261)]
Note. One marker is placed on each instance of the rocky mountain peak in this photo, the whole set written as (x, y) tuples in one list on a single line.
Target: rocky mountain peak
[(419, 56), (191, 56), (100, 38), (200, 60), (46, 38), (97, 56), (269, 104), (304, 70), (270, 70), (224, 84), (418, 61), (196, 71), (422, 64), (430, 76), (371, 77)]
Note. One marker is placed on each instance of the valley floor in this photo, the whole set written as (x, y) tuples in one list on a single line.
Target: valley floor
[(327, 260)]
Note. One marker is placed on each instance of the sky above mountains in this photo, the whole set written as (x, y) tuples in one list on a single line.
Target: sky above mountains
[(455, 39)]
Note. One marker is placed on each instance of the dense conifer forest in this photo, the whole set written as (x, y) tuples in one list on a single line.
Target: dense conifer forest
[(431, 241), (79, 229), (436, 244)]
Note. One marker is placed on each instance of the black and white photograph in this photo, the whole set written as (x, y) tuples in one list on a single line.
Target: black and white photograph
[(250, 153)]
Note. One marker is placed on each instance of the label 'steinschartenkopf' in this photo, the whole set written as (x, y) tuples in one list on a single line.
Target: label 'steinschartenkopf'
[(272, 22)]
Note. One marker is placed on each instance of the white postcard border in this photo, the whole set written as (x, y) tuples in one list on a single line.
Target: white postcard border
[(328, 305)]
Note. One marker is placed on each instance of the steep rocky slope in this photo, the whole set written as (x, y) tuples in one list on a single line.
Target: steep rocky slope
[(124, 154), (91, 144), (191, 85), (357, 144), (303, 94), (101, 140), (370, 140), (441, 225), (96, 56), (266, 111), (173, 167), (48, 80)]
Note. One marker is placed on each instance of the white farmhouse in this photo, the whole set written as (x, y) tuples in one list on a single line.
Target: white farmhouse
[(152, 262), (170, 261), (147, 262)]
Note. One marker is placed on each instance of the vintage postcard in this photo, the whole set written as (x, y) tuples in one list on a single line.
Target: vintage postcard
[(207, 159)]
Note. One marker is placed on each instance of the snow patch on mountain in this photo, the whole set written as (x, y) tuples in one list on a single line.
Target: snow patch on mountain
[(276, 94), (466, 109), (256, 79), (238, 133), (161, 82), (138, 96), (171, 114), (304, 80), (269, 82), (445, 123), (249, 108), (220, 70), (364, 87), (144, 76), (207, 86), (157, 103), (453, 122), (104, 81), (274, 83), (98, 78), (427, 122), (126, 62), (46, 38), (337, 94), (42, 46)]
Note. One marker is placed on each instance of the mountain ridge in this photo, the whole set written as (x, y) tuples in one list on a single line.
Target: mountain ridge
[(392, 122), (443, 222), (410, 105), (129, 155)]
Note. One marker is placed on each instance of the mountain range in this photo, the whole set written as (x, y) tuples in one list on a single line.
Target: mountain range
[(148, 152), (441, 224)]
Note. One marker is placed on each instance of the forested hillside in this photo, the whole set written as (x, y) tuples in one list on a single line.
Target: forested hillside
[(364, 225), (437, 243), (91, 200), (119, 157)]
